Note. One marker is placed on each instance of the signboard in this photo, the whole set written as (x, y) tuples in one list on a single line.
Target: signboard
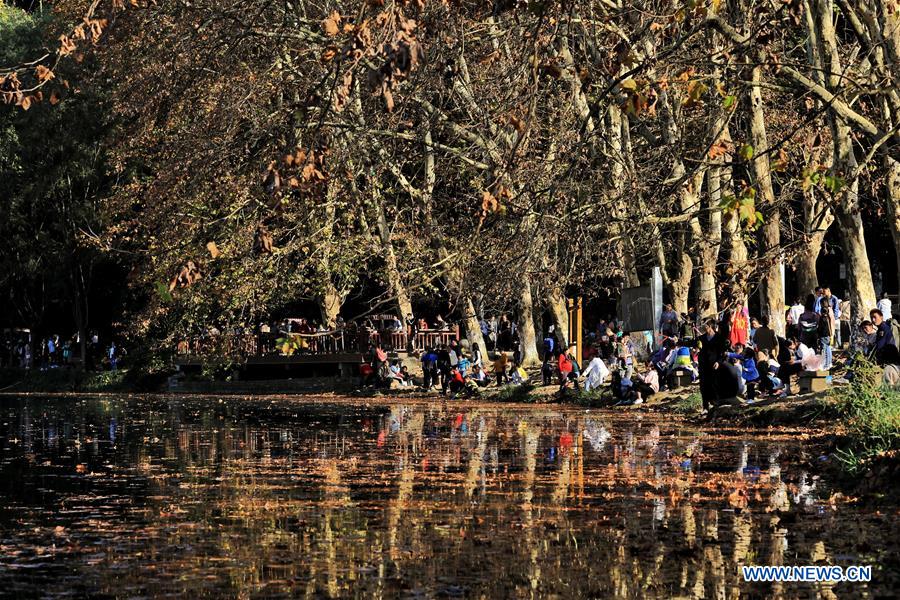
[(636, 309), (640, 307)]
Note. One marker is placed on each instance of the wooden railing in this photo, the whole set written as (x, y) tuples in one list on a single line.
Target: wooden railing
[(339, 341)]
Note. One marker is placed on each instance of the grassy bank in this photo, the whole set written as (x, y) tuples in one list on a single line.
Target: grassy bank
[(870, 415), (63, 380)]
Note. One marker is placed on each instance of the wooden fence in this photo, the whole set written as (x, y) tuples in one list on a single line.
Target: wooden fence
[(245, 345)]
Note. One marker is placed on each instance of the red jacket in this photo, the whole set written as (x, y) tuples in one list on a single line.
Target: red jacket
[(565, 365)]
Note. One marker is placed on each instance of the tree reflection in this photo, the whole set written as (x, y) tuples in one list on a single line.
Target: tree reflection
[(245, 498)]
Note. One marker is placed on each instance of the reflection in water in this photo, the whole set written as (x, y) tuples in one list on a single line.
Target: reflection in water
[(248, 498)]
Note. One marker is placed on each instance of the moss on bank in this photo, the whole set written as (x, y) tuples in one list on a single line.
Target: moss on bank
[(870, 414), (63, 380)]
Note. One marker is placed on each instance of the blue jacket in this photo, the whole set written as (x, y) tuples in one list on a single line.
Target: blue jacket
[(549, 344), (884, 336), (748, 367), (835, 305)]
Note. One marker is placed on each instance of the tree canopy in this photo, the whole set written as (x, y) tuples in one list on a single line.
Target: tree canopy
[(496, 153)]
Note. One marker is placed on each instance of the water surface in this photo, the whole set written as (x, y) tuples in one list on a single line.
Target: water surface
[(159, 496)]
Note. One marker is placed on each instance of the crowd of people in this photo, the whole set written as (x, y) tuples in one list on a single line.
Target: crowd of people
[(20, 351), (734, 357)]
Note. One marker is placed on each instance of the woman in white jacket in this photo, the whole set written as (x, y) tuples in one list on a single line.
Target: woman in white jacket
[(595, 374)]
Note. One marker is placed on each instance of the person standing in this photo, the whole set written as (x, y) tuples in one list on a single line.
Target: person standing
[(517, 347), (794, 317), (429, 369), (713, 345), (444, 367), (809, 323), (834, 303), (500, 367), (763, 336), (477, 359), (826, 335), (549, 347), (740, 326), (668, 322), (625, 354), (884, 305)]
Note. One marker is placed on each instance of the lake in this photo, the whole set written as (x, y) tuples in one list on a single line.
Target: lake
[(165, 496)]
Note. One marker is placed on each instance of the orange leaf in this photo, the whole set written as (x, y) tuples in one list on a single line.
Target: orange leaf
[(213, 249), (331, 25), (66, 45), (43, 73)]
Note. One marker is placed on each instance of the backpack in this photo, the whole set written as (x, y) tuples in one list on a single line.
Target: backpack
[(548, 345), (809, 331), (895, 330)]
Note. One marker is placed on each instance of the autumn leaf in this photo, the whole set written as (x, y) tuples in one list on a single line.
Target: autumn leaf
[(213, 249), (66, 45), (718, 149), (43, 73), (489, 203), (738, 498), (746, 152), (54, 98), (781, 163), (331, 25), (696, 90)]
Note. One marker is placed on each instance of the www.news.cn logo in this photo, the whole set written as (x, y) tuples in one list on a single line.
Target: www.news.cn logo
[(807, 573)]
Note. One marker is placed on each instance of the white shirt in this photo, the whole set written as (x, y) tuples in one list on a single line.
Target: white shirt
[(884, 305), (795, 312)]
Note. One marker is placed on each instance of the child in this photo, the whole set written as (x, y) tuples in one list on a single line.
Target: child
[(519, 376), (457, 382), (479, 376), (500, 366)]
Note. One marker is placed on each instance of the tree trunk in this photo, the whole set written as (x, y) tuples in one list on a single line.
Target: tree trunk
[(329, 301), (394, 279), (623, 246), (736, 269), (79, 296), (559, 314), (859, 273), (846, 208), (771, 289), (805, 263), (892, 206), (527, 333), (711, 244), (680, 284), (471, 324)]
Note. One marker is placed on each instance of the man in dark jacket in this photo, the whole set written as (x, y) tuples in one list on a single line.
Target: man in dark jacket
[(713, 345), (430, 368), (884, 335), (763, 336)]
